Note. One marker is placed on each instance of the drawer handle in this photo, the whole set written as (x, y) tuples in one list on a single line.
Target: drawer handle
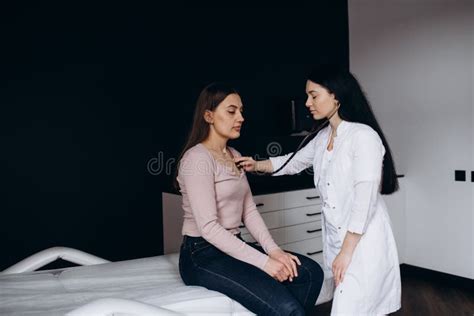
[(312, 197), (313, 231), (313, 253), (260, 204), (313, 214)]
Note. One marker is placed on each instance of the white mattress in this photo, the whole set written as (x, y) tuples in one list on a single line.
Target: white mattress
[(153, 280)]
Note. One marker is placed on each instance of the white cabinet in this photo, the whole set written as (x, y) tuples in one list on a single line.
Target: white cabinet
[(294, 221), (293, 218), (172, 222)]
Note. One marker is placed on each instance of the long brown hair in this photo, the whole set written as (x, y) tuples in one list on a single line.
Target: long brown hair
[(209, 98)]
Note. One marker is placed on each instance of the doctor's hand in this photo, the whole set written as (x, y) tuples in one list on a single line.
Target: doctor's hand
[(250, 165), (276, 270), (340, 265), (290, 261), (247, 163)]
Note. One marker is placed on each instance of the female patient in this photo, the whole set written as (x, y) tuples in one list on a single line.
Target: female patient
[(216, 199)]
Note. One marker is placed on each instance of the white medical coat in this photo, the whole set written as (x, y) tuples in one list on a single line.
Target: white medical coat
[(353, 203)]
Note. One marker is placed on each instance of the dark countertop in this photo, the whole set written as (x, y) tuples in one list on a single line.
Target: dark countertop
[(264, 184)]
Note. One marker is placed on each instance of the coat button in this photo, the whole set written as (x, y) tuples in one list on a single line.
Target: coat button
[(328, 183), (333, 207), (339, 228)]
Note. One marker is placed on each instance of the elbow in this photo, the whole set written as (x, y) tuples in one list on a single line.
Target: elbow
[(249, 214), (208, 229), (357, 226)]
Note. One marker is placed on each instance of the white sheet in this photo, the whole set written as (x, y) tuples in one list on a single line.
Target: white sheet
[(153, 281)]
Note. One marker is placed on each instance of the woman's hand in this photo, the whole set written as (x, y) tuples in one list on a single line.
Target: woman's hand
[(250, 165), (276, 270), (288, 260), (340, 266), (247, 163)]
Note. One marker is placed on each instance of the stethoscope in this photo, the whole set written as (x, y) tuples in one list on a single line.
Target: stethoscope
[(303, 142)]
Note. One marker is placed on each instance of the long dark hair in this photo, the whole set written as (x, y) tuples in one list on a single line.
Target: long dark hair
[(355, 108), (209, 98)]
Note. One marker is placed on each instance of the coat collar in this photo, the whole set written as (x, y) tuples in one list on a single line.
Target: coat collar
[(342, 128)]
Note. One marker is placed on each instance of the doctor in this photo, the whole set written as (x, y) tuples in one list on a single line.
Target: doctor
[(352, 167)]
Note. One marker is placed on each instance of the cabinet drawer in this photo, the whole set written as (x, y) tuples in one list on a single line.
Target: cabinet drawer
[(292, 233), (284, 200), (312, 248), (289, 217)]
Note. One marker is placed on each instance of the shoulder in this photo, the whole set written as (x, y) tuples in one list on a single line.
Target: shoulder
[(364, 136), (196, 156), (196, 151), (359, 130)]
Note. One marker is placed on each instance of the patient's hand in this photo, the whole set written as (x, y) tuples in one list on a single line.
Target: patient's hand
[(276, 270), (288, 260)]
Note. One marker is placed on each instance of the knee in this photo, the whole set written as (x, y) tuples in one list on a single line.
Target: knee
[(292, 308), (316, 273)]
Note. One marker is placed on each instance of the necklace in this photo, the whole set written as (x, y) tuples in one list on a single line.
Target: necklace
[(227, 159), (220, 152)]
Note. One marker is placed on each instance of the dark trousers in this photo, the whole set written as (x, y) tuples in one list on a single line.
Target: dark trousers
[(202, 264)]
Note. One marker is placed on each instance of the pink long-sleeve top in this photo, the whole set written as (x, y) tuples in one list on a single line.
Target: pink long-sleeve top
[(216, 201)]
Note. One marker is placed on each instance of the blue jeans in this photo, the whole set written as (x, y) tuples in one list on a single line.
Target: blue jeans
[(202, 264)]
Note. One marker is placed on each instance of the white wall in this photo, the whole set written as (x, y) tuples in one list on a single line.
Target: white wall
[(415, 61)]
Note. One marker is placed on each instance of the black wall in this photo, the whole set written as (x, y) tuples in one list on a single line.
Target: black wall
[(91, 97)]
